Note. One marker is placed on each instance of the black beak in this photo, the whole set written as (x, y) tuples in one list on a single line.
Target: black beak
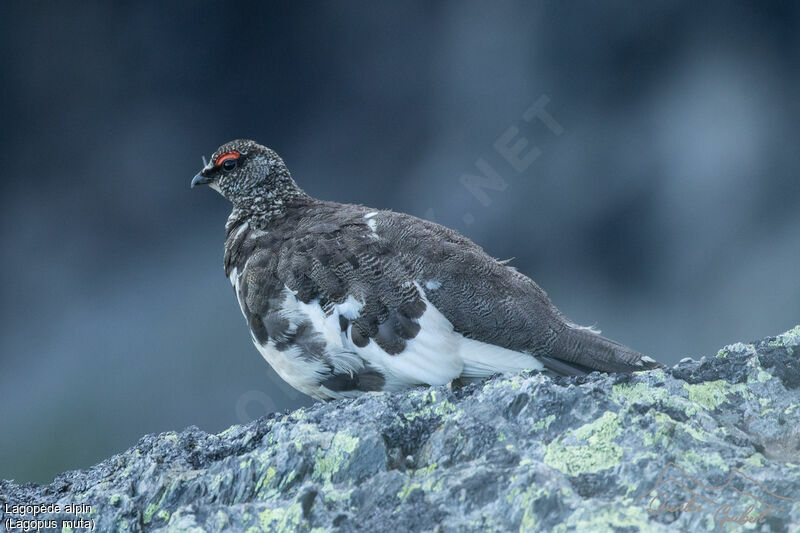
[(199, 179)]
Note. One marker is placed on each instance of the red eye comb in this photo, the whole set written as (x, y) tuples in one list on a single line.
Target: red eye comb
[(233, 154)]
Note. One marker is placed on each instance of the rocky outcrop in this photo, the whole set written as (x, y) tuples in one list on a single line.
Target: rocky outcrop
[(706, 445)]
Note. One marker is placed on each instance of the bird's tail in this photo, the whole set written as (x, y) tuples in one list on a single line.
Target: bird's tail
[(579, 350)]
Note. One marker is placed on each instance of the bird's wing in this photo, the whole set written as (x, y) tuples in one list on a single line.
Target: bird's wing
[(483, 298), (324, 284), (397, 299), (490, 302), (397, 266)]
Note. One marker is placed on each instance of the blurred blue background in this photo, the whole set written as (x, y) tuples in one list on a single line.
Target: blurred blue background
[(666, 211)]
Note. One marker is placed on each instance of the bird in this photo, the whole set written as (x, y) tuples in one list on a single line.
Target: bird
[(344, 299)]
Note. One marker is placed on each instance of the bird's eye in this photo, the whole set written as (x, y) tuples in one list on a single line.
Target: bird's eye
[(228, 161)]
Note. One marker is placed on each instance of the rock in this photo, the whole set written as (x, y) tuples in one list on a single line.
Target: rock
[(707, 444)]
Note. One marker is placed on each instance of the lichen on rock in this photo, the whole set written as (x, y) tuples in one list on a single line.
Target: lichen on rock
[(701, 446)]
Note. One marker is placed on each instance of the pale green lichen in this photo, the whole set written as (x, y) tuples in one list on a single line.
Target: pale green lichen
[(304, 434), (788, 339), (527, 499), (622, 515), (227, 431), (280, 519), (330, 461), (432, 407), (756, 460), (149, 512), (743, 390), (530, 520), (336, 496), (421, 478), (763, 376), (599, 453), (216, 483), (131, 463), (426, 470), (544, 423), (266, 480), (114, 500), (708, 395), (693, 462), (684, 404), (695, 433), (221, 521), (741, 348), (664, 427), (433, 483), (407, 490), (639, 393), (153, 506), (287, 479)]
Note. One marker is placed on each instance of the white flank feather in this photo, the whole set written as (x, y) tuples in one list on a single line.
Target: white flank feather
[(436, 356)]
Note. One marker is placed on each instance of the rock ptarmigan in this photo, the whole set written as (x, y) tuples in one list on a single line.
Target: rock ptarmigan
[(342, 299)]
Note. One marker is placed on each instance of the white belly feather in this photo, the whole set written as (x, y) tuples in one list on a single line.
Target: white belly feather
[(436, 356)]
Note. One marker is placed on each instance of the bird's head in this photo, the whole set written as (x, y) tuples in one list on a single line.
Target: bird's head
[(247, 174)]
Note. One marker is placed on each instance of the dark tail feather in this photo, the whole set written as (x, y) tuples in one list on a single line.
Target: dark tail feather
[(578, 351)]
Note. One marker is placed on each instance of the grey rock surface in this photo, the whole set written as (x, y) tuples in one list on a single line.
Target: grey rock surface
[(709, 445)]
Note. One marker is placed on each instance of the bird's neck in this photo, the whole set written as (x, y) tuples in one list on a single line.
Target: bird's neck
[(268, 204)]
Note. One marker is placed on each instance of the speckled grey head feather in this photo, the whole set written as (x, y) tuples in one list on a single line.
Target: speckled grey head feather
[(342, 298)]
